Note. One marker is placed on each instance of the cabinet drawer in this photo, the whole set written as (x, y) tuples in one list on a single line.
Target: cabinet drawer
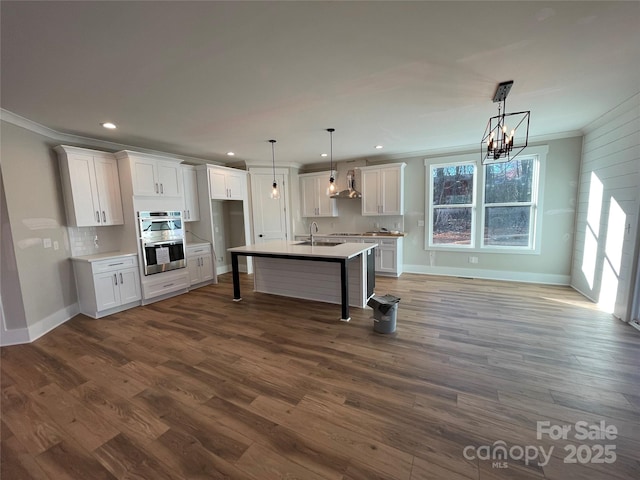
[(387, 242), (116, 263), (198, 250), (161, 286)]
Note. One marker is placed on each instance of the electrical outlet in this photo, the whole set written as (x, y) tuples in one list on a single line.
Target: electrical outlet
[(421, 223), (46, 242), (376, 225), (473, 259), (95, 242), (396, 225), (56, 245)]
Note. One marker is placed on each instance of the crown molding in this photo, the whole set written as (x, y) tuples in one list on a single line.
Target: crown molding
[(264, 163), (65, 138)]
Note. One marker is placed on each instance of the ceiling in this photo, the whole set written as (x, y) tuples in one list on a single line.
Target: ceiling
[(204, 78)]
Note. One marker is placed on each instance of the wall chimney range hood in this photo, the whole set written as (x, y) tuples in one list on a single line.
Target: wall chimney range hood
[(350, 191)]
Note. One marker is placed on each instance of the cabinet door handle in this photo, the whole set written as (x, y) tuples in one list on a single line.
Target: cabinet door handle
[(189, 214), (157, 191), (98, 216), (104, 217), (115, 279), (200, 261), (162, 189), (121, 280)]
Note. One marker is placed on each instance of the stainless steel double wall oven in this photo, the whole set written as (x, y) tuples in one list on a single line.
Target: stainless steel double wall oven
[(162, 241)]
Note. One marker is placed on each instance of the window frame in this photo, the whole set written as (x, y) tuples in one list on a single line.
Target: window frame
[(532, 204), (472, 206), (539, 153)]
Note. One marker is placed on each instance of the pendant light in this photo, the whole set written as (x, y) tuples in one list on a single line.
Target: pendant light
[(332, 181), (498, 145), (275, 193)]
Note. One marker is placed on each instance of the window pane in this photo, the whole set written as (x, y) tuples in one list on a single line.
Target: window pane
[(509, 182), (507, 226), (453, 184), (452, 226)]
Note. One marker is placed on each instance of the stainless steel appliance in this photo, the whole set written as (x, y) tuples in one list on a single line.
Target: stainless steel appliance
[(162, 240)]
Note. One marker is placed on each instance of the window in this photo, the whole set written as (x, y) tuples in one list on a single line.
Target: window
[(452, 204), (509, 201), (491, 207)]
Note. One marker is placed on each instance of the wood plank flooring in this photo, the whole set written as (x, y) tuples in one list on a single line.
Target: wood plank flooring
[(201, 387)]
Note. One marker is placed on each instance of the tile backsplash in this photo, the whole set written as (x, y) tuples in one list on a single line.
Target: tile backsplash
[(92, 240)]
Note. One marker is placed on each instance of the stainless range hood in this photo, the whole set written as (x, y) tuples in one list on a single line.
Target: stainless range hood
[(350, 191)]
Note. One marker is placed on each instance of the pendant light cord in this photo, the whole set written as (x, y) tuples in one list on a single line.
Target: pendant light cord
[(273, 160)]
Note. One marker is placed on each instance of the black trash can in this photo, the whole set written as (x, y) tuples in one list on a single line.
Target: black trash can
[(385, 312)]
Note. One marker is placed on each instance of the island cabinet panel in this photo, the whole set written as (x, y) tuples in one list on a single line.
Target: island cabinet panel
[(311, 280)]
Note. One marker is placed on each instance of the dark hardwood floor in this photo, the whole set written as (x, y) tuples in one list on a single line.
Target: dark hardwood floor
[(198, 386)]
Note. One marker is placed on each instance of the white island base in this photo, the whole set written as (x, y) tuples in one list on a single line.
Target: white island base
[(311, 280), (343, 273)]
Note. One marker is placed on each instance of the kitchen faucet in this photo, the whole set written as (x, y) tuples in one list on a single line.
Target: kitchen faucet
[(311, 231)]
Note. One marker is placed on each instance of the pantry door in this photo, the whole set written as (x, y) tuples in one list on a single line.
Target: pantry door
[(269, 215)]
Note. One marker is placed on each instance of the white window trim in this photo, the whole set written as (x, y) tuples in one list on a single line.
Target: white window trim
[(469, 160), (477, 235)]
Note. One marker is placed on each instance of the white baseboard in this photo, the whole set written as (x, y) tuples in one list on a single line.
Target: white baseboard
[(35, 331), (52, 321), (508, 276), (14, 337)]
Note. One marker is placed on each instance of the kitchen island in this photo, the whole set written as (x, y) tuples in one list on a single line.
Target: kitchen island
[(331, 273)]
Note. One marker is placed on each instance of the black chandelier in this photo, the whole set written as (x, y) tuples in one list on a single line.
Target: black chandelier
[(500, 142)]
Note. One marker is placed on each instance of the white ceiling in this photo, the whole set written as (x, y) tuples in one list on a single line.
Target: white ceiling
[(204, 78)]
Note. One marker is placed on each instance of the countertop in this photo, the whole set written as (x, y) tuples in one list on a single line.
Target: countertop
[(294, 249), (103, 256), (356, 235)]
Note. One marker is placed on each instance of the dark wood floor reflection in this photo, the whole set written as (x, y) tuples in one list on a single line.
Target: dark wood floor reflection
[(198, 386)]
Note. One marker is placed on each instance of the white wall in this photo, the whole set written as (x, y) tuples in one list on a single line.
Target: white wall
[(608, 205), (552, 265), (36, 212)]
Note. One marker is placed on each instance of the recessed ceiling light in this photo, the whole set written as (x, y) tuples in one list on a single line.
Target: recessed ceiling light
[(324, 154), (231, 154), (109, 125), (378, 147)]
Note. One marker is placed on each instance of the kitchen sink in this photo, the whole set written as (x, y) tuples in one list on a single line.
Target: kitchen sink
[(319, 244)]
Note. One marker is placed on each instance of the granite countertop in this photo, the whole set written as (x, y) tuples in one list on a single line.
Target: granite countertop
[(295, 249)]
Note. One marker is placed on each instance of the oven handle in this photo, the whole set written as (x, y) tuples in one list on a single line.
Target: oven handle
[(163, 243)]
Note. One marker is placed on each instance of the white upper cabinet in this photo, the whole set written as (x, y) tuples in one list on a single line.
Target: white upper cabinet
[(149, 175), (155, 177), (315, 201), (91, 187), (191, 211), (383, 189), (227, 183)]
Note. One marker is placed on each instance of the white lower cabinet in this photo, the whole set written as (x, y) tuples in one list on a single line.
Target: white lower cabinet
[(162, 285), (199, 264), (107, 285), (388, 253)]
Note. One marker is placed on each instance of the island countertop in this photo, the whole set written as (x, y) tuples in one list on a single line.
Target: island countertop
[(295, 249)]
